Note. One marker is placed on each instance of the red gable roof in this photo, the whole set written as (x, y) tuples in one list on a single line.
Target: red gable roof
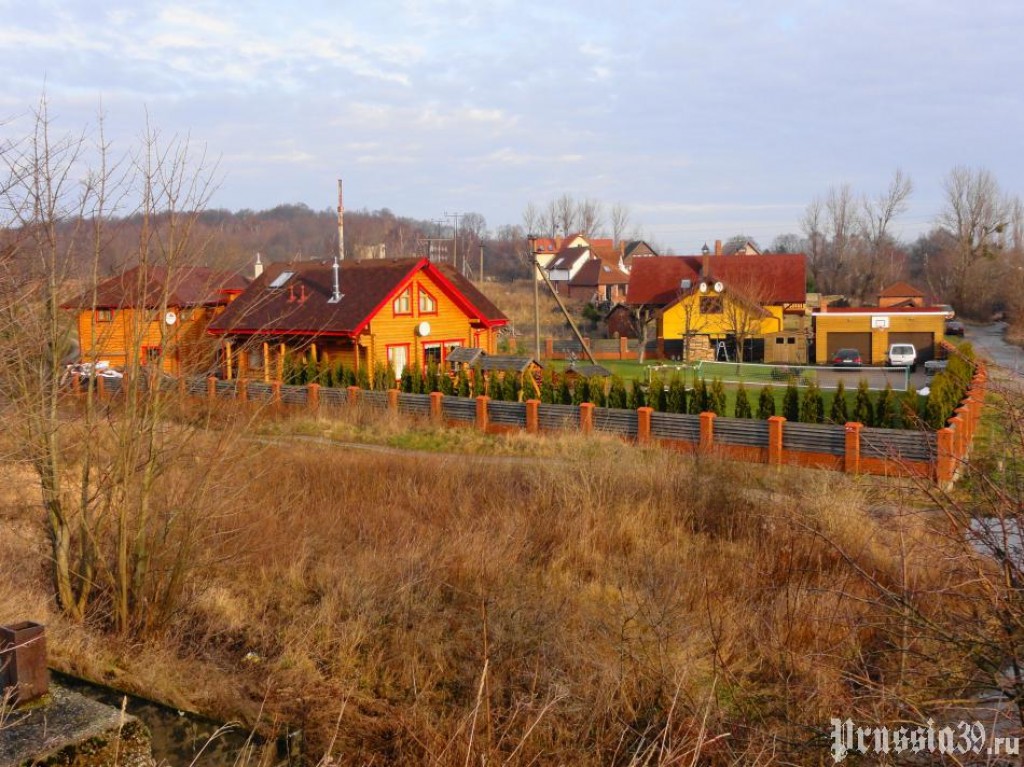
[(300, 305), (147, 288), (901, 290), (781, 278)]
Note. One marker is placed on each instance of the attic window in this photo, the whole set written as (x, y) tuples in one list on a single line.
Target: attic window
[(281, 279), (403, 303)]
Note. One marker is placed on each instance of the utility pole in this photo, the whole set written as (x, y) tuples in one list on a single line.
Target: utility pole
[(532, 241), (455, 242)]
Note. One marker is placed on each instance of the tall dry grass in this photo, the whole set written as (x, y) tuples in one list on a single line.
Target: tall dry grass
[(601, 606)]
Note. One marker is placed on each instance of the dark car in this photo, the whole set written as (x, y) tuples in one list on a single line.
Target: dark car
[(954, 328), (847, 358)]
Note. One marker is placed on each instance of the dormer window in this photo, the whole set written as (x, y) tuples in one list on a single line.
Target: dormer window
[(403, 302), (428, 304)]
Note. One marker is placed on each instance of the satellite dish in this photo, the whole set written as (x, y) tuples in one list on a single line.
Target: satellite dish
[(703, 287), (719, 287), (423, 329), (170, 318)]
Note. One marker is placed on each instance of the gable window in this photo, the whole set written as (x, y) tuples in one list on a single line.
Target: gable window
[(710, 304), (428, 304), (104, 315), (403, 302)]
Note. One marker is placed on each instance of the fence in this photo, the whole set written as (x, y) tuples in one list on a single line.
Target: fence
[(847, 447)]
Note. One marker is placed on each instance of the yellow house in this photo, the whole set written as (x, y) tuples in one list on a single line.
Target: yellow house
[(154, 316), (870, 330), (709, 313), (363, 314)]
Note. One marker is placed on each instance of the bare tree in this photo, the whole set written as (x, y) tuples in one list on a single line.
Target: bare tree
[(565, 214), (975, 213), (619, 216), (532, 219), (876, 263), (590, 214)]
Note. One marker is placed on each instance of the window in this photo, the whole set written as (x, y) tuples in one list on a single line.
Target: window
[(184, 315), (431, 353), (398, 358), (104, 315), (151, 355), (255, 359), (710, 304), (403, 303), (428, 304), (281, 279)]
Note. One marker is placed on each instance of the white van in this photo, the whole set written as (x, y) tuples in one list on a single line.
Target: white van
[(902, 355)]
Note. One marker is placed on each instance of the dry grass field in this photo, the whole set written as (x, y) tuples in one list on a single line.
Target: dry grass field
[(598, 605)]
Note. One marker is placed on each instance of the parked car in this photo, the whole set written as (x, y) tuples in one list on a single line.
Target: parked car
[(902, 355), (847, 358), (954, 328)]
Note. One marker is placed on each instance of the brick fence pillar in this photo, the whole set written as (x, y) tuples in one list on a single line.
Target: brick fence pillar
[(956, 423), (623, 347), (182, 386), (643, 424), (313, 397), (481, 411), (707, 431), (211, 388), (851, 454), (393, 399), (533, 415), (775, 426), (549, 348), (76, 384), (435, 406), (963, 412), (275, 395), (587, 417), (101, 386), (242, 390), (353, 395), (945, 460)]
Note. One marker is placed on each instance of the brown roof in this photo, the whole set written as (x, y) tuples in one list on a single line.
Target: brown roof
[(568, 256), (301, 304), (598, 272), (901, 290), (780, 277), (146, 288)]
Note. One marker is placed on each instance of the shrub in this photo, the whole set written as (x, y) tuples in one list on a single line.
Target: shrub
[(447, 384), (791, 403), (511, 387), (863, 410), (405, 382), (886, 411), (564, 392), (431, 383), (945, 393), (597, 395), (741, 409), (463, 388), (547, 387), (675, 399), (656, 394), (581, 391), (363, 378), (637, 397), (765, 403), (716, 397), (617, 393), (479, 382), (700, 398), (812, 408), (838, 412)]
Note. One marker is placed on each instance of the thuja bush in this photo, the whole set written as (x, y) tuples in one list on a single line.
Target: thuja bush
[(431, 383), (617, 397), (812, 408), (656, 394), (765, 403), (479, 382), (675, 399), (547, 387), (597, 395), (700, 398), (863, 410), (637, 396), (945, 393), (564, 392), (742, 409), (791, 403), (716, 397), (887, 409), (447, 384), (363, 378), (581, 391), (838, 412)]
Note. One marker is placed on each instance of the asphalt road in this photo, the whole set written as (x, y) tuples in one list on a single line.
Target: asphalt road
[(989, 341)]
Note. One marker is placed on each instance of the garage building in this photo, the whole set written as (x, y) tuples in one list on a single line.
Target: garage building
[(871, 330)]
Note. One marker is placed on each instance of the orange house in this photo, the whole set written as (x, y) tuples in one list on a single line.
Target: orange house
[(154, 316), (364, 314)]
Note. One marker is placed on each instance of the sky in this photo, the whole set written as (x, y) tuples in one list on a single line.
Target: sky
[(706, 118)]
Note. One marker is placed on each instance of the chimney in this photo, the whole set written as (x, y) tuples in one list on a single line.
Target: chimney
[(336, 296), (302, 293), (341, 228), (705, 267), (718, 247), (257, 268), (291, 293)]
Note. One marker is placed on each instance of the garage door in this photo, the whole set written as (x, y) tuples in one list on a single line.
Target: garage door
[(924, 343), (859, 341)]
